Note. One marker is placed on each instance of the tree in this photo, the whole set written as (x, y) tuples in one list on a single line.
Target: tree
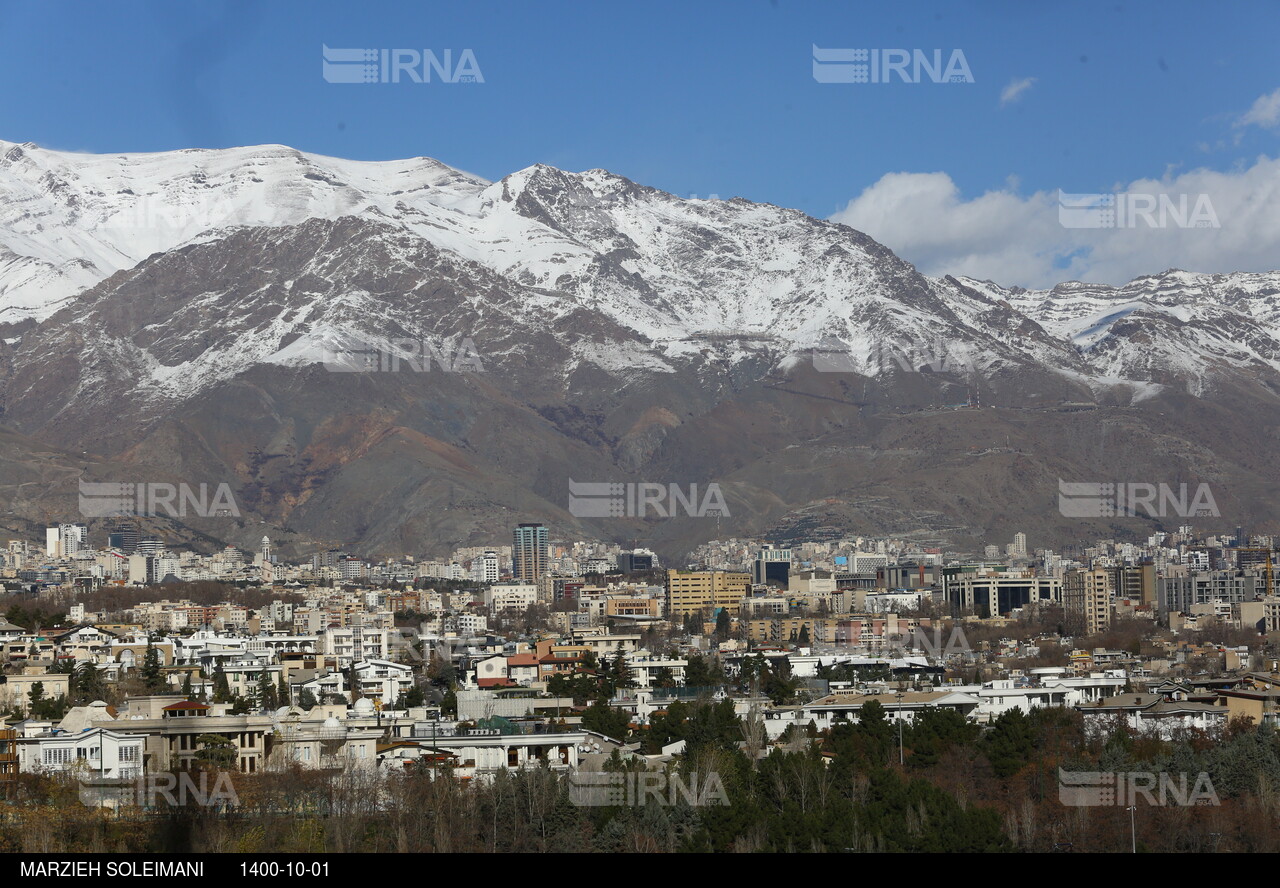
[(187, 690), (604, 719), (702, 672), (216, 751), (221, 689), (440, 670), (620, 673), (44, 708), (804, 635), (307, 700), (86, 684), (723, 624), (152, 676), (264, 693), (283, 697)]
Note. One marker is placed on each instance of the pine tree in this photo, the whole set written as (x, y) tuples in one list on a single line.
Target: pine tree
[(283, 698), (87, 684), (152, 676), (186, 686), (221, 689), (264, 694)]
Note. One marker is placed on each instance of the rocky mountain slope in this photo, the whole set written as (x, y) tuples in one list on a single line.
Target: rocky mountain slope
[(402, 357)]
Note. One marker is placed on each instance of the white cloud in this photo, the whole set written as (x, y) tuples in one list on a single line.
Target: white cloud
[(1264, 112), (1015, 89), (1019, 240)]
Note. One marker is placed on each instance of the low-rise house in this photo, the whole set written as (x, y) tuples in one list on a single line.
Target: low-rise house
[(1150, 714), (175, 729), (382, 680), (835, 709), (94, 752), (324, 741)]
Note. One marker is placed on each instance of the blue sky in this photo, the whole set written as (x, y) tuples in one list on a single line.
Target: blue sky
[(694, 98)]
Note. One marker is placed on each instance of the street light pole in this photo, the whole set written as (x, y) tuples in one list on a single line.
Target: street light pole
[(1133, 829)]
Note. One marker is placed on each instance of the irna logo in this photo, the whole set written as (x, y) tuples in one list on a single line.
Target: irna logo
[(888, 65)]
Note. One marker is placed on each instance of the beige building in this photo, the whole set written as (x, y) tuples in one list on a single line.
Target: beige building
[(690, 591), (1086, 599)]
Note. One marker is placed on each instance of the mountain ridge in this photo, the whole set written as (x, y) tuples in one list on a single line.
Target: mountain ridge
[(624, 333)]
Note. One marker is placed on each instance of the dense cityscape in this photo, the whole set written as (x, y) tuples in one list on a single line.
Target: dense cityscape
[(746, 427), (577, 660)]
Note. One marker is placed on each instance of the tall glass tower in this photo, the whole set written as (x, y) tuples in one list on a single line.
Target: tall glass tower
[(529, 552)]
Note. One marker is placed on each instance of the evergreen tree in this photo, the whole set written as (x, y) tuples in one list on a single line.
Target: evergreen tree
[(221, 689), (620, 673), (604, 719), (723, 624), (264, 693), (152, 676), (216, 751), (186, 687), (87, 684)]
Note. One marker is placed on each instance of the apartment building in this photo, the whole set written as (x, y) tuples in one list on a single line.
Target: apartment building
[(689, 592), (1086, 600), (992, 594), (1180, 593), (511, 596)]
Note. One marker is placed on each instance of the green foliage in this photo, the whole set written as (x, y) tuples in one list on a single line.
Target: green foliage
[(221, 689), (700, 725), (1010, 743), (933, 732), (151, 673), (449, 703), (45, 708), (723, 624), (87, 684), (216, 751), (264, 692), (604, 719), (703, 672)]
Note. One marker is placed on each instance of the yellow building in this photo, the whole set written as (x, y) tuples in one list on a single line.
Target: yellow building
[(690, 591)]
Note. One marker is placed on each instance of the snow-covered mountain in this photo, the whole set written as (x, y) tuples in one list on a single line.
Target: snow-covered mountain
[(184, 309), (1178, 327)]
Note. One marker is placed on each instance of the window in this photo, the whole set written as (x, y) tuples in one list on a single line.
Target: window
[(57, 756), (128, 753)]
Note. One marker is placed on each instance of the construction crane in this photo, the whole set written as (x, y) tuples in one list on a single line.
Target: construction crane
[(1267, 549)]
